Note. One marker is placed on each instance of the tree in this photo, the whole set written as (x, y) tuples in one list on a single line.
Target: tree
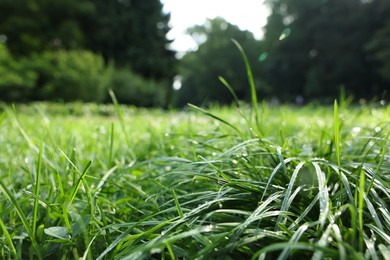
[(217, 56), (316, 46), (129, 33), (133, 33), (39, 25)]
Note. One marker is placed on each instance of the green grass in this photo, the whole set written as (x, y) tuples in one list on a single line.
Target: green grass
[(115, 182)]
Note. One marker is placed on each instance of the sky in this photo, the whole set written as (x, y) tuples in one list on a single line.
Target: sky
[(248, 15)]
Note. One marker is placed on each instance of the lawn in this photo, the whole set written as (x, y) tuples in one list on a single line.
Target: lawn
[(85, 181)]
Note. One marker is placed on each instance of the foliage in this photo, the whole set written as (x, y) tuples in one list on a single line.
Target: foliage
[(126, 33), (16, 79), (53, 75), (182, 185), (378, 46), (40, 25), (70, 75), (130, 88), (314, 47), (133, 33), (216, 56)]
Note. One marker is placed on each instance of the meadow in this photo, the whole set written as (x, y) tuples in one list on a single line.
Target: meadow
[(86, 181)]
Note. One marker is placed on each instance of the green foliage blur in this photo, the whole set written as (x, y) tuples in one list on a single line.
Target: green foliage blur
[(73, 75), (310, 51), (53, 75), (67, 50), (130, 88), (17, 80), (314, 47), (217, 56)]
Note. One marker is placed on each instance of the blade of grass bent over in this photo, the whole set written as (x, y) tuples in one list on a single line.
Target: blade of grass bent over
[(215, 117)]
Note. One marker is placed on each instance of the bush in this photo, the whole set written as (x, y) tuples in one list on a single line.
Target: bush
[(130, 88), (70, 75), (16, 81)]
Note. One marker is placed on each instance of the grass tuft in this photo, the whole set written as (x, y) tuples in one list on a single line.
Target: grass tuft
[(195, 184)]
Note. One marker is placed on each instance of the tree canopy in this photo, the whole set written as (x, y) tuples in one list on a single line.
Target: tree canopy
[(311, 48), (129, 34), (316, 46), (216, 56)]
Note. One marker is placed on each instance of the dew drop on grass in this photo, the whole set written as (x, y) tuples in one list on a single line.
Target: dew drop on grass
[(377, 129), (168, 168), (214, 154), (208, 228), (355, 131), (234, 161), (155, 251)]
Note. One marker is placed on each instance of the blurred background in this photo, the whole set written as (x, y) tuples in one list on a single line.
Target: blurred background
[(169, 53)]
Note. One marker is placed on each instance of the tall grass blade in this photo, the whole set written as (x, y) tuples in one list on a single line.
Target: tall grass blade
[(111, 144), (360, 207), (215, 117), (231, 90), (122, 122), (337, 133), (37, 190), (251, 83), (78, 183)]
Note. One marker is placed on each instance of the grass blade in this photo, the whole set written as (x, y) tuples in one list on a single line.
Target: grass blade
[(337, 133), (179, 210), (37, 190), (360, 207), (251, 83), (8, 238), (78, 183), (215, 117), (22, 217)]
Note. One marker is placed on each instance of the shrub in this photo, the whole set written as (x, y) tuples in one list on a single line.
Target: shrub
[(130, 88), (16, 81), (70, 75)]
